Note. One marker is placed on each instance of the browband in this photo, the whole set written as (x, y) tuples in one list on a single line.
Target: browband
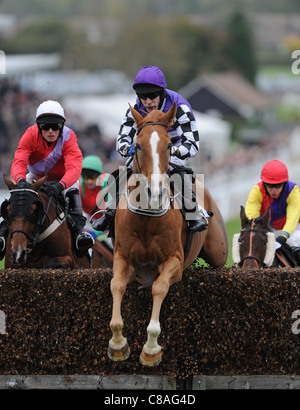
[(152, 123)]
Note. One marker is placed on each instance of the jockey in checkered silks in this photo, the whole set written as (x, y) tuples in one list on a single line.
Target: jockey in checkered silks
[(152, 94)]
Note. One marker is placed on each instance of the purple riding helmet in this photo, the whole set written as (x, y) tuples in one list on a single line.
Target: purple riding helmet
[(149, 79)]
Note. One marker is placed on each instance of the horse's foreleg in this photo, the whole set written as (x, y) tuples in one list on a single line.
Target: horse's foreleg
[(171, 272), (118, 349)]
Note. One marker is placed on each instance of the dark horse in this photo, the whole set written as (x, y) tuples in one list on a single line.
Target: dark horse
[(38, 233), (151, 235), (102, 255), (254, 246)]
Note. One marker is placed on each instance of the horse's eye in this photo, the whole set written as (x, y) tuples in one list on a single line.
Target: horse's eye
[(169, 145), (138, 146)]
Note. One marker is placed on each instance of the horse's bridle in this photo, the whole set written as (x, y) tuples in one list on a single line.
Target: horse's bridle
[(151, 123), (27, 194), (139, 210), (250, 255)]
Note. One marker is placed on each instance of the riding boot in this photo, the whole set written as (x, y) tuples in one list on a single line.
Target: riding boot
[(195, 215), (3, 237), (76, 222), (105, 221)]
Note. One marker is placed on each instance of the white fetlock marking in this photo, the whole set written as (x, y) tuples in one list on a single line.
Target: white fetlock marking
[(152, 347)]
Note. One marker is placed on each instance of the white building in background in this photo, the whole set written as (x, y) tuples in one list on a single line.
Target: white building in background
[(21, 64)]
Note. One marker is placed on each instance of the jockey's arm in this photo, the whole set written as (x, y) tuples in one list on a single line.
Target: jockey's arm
[(22, 155), (187, 130), (73, 161), (253, 204), (126, 134), (292, 211)]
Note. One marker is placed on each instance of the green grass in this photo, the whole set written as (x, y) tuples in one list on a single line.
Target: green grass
[(232, 227)]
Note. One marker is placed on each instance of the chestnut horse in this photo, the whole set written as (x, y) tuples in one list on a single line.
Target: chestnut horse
[(150, 240), (254, 246), (38, 233)]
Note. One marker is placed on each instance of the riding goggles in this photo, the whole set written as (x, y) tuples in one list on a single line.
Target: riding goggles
[(277, 186), (54, 127), (151, 96), (93, 177)]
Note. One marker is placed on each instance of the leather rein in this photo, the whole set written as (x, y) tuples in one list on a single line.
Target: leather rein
[(26, 194), (250, 255)]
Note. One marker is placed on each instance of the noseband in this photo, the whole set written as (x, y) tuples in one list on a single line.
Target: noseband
[(250, 255)]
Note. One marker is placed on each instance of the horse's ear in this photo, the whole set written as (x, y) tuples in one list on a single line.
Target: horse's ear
[(265, 218), (9, 182), (36, 185), (243, 217), (138, 118), (170, 115)]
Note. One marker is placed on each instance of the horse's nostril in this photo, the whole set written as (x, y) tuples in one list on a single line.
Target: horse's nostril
[(19, 256)]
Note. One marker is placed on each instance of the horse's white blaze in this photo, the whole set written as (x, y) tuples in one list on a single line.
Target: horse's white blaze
[(151, 346), (156, 175), (19, 253)]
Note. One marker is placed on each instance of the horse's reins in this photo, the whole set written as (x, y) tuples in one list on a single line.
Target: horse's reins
[(108, 188), (15, 215), (36, 237), (139, 129), (250, 255)]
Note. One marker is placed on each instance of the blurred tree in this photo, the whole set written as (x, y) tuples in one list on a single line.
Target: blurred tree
[(180, 48), (240, 46), (44, 36), (51, 36)]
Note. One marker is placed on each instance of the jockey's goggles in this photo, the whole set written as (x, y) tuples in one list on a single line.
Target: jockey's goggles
[(277, 186), (151, 96), (93, 177), (89, 174), (54, 127)]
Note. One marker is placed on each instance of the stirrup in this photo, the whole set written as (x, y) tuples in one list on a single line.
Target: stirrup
[(103, 223)]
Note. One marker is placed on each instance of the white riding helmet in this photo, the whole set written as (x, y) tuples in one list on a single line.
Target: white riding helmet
[(50, 108)]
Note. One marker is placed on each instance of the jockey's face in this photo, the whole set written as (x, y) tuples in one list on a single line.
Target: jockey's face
[(274, 192), (151, 104), (50, 135), (90, 181)]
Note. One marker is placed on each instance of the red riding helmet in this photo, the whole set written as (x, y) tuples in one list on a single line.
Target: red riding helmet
[(274, 172)]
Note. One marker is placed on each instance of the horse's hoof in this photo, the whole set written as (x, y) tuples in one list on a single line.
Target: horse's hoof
[(150, 360), (118, 355)]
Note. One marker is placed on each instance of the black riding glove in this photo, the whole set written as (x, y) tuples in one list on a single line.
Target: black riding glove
[(53, 189), (280, 240)]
